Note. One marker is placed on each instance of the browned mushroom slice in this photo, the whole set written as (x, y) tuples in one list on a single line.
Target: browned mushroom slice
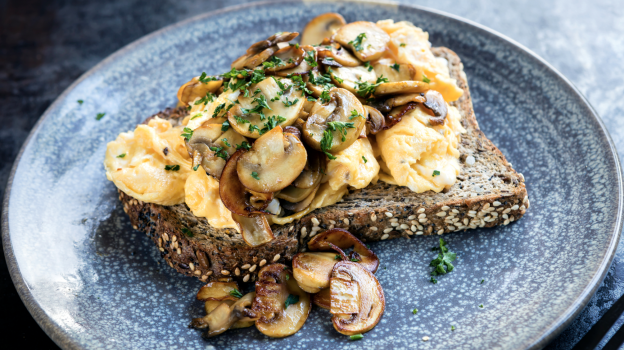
[(286, 58), (218, 291), (293, 130), (210, 147), (233, 194), (322, 299), (274, 39), (436, 104), (402, 87), (303, 204), (311, 174), (397, 113), (195, 89), (211, 305), (400, 100), (252, 61), (255, 229), (305, 66), (259, 200), (294, 194), (343, 239), (365, 39), (357, 300), (393, 71), (225, 315), (274, 161), (338, 54), (375, 120), (281, 306), (312, 270), (351, 77), (321, 27), (341, 119)]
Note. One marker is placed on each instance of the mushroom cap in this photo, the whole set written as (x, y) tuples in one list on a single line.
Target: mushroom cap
[(312, 270), (217, 291), (357, 299), (255, 229), (343, 239), (321, 27), (375, 120), (210, 147), (401, 87), (322, 299), (195, 89), (338, 54), (368, 48), (349, 77), (394, 72), (303, 68), (339, 109), (290, 57), (274, 161), (436, 104)]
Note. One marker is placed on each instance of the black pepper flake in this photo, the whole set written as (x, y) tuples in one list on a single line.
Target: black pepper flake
[(166, 150)]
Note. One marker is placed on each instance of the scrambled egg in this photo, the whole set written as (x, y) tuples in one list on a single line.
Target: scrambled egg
[(202, 197), (417, 52), (136, 162), (420, 156)]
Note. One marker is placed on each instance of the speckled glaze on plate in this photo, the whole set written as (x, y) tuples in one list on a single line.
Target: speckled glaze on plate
[(93, 282)]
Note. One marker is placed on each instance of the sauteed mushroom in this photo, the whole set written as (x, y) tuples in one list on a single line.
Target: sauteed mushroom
[(375, 120), (195, 89), (357, 300), (312, 270), (321, 27), (262, 50), (394, 72), (338, 54), (343, 240), (303, 204), (255, 229), (286, 58), (210, 147), (322, 299), (217, 291), (274, 161), (311, 174), (435, 103), (305, 66), (402, 87), (365, 39), (224, 316), (349, 77), (281, 305), (334, 126)]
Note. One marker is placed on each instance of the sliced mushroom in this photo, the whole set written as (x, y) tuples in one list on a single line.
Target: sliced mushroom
[(210, 147), (274, 39), (350, 77), (402, 87), (274, 161), (375, 120), (367, 41), (211, 305), (304, 67), (394, 72), (321, 27), (233, 193), (286, 58), (252, 61), (436, 104), (293, 130), (303, 204), (322, 299), (342, 118), (312, 270), (317, 83), (397, 113), (343, 239), (357, 300), (218, 291), (275, 286), (283, 107), (294, 194), (195, 89), (400, 100), (255, 229), (338, 54), (224, 316), (311, 174)]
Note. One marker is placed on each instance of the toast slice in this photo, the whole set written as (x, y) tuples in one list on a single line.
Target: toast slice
[(488, 192)]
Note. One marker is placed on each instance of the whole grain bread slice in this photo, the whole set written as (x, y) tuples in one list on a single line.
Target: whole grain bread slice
[(488, 192)]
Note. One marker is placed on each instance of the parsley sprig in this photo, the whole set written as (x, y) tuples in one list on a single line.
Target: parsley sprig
[(366, 89), (341, 127), (236, 293), (326, 143), (357, 42), (291, 300), (187, 133), (442, 264)]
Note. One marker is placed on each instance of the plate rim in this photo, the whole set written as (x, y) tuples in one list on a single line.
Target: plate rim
[(63, 340)]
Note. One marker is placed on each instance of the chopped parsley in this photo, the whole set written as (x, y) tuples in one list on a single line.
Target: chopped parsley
[(236, 293), (481, 306), (482, 281), (218, 110), (435, 173), (366, 89), (287, 277), (341, 127), (355, 260), (225, 142), (395, 66), (312, 99), (326, 143), (280, 84), (187, 134), (355, 114), (337, 257), (325, 98), (368, 66), (415, 311), (290, 103), (172, 167), (364, 159), (187, 232), (272, 122), (219, 152), (357, 43), (80, 102), (197, 116), (121, 155), (299, 83), (255, 175), (402, 45), (204, 78), (452, 328), (100, 116), (338, 79), (208, 98), (309, 57), (196, 167), (291, 300), (225, 126), (433, 280), (356, 337), (296, 45), (245, 145), (425, 79), (273, 62), (442, 264)]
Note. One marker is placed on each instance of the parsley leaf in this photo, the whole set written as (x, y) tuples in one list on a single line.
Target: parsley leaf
[(208, 98), (172, 167), (365, 160), (272, 62), (357, 43), (425, 79), (245, 145), (326, 143), (415, 311), (341, 127), (452, 328), (368, 66), (203, 78), (225, 142), (196, 167), (356, 337), (236, 293), (225, 126), (395, 66), (219, 152), (402, 45), (435, 173), (197, 116), (338, 79), (240, 120), (80, 102), (271, 123), (481, 306), (312, 99), (255, 175), (482, 281), (433, 280), (187, 232), (292, 299), (355, 114), (290, 103), (121, 155), (100, 116), (187, 134), (442, 264), (218, 110), (366, 89), (309, 57)]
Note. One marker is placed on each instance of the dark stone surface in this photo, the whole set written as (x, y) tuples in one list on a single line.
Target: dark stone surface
[(44, 46)]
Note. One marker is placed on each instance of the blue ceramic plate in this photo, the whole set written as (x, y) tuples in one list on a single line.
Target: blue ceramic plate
[(91, 281)]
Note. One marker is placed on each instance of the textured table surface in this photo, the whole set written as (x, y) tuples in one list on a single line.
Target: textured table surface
[(46, 45)]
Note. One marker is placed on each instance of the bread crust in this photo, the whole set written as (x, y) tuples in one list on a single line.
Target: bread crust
[(488, 193)]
